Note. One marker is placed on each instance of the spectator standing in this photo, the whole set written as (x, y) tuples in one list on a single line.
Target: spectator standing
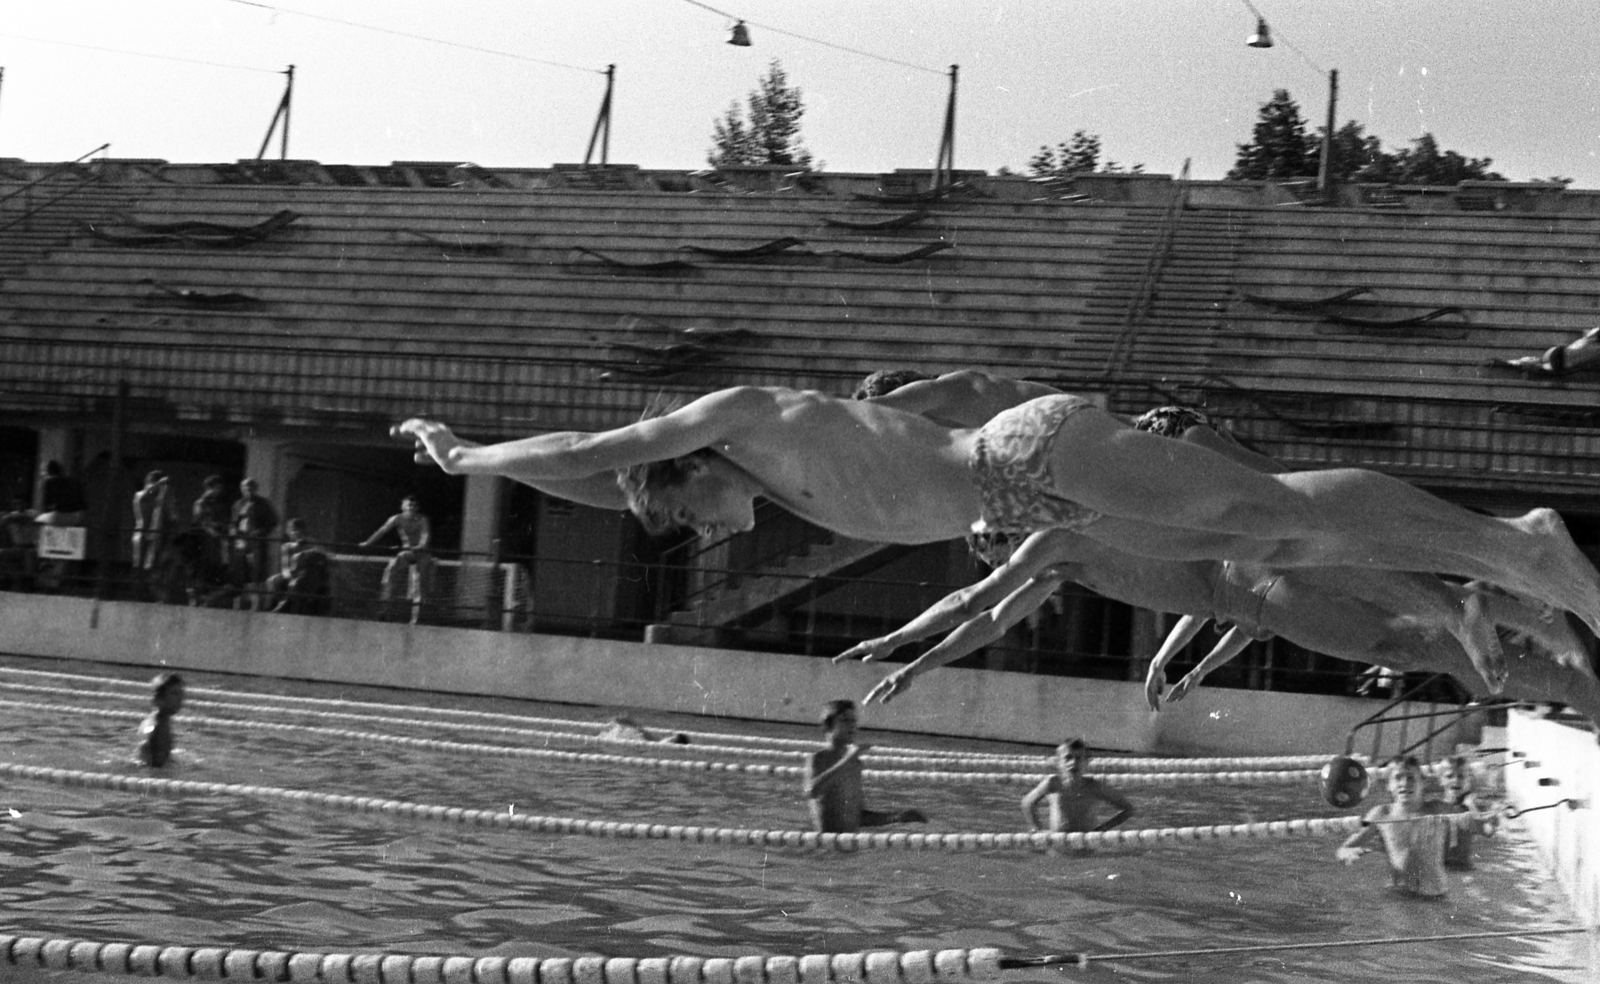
[(252, 523), (61, 503), (155, 517), (210, 514), (416, 537), (61, 500)]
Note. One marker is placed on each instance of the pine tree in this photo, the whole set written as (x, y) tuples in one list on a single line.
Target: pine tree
[(1279, 147), (768, 132)]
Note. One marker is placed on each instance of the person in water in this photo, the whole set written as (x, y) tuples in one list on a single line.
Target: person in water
[(833, 786), (155, 731)]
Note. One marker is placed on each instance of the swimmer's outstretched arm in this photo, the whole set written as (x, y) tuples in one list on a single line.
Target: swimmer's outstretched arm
[(578, 465), (1229, 646), (972, 634), (1036, 553), (1183, 633), (1356, 844)]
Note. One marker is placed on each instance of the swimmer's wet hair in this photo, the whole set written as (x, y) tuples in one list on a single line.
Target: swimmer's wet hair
[(886, 381), (638, 482), (162, 682), (1073, 745)]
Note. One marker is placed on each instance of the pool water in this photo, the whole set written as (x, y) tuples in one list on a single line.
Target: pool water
[(238, 872)]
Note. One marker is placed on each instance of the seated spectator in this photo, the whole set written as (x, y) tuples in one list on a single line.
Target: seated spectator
[(301, 586), (19, 541), (416, 536)]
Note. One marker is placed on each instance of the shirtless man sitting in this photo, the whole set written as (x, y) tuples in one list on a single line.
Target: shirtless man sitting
[(875, 472)]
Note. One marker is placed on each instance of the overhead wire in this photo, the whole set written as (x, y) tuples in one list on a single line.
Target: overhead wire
[(807, 38), (416, 37), (140, 54)]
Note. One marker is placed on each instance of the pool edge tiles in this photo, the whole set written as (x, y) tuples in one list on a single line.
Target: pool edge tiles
[(1554, 761)]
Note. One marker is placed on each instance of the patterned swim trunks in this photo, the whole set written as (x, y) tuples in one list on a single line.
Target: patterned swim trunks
[(1171, 421), (1012, 463)]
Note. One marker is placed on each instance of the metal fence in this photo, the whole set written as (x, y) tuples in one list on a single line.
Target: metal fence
[(1079, 634)]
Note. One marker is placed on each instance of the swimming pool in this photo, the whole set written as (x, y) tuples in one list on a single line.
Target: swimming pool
[(245, 872)]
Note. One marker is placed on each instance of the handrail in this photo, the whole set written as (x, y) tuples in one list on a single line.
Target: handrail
[(30, 213), (1139, 304), (1377, 719), (47, 175)]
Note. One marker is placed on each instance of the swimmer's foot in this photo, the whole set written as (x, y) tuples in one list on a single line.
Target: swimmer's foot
[(1572, 581)]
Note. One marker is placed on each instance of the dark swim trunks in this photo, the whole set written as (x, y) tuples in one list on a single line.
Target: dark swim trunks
[(1012, 463)]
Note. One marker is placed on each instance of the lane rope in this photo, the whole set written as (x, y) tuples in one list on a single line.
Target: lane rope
[(760, 769), (1127, 763), (866, 967), (897, 840), (310, 967)]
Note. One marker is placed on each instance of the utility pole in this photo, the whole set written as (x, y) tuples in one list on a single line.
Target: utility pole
[(944, 165), (282, 113), (1327, 142), (602, 123)]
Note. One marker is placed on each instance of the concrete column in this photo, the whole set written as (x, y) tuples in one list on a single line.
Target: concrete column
[(269, 463), (481, 509)]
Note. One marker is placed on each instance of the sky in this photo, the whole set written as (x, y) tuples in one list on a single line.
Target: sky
[(518, 83)]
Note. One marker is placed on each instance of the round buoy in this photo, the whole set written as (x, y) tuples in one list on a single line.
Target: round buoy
[(1344, 781)]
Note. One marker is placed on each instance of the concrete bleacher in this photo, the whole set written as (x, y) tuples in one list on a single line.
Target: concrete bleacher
[(527, 299)]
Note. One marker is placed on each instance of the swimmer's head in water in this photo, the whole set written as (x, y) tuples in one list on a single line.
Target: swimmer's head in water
[(1072, 756), (167, 692), (1457, 777), (886, 381), (834, 710), (1405, 777)]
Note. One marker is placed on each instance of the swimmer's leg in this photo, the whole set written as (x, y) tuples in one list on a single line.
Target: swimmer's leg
[(1342, 516)]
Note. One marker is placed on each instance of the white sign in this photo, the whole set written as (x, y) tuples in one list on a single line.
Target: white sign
[(62, 542)]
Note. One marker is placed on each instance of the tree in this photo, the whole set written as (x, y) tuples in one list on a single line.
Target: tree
[(1424, 163), (1279, 147), (768, 132), (1356, 156), (1079, 155)]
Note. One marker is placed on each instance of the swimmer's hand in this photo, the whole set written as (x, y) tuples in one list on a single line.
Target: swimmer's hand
[(868, 651), (1181, 689), (1349, 855), (890, 687), (1155, 683), (434, 442)]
